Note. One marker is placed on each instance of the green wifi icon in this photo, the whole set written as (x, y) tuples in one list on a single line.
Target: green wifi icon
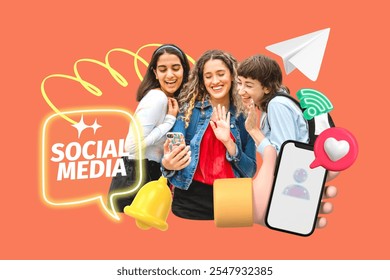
[(315, 102)]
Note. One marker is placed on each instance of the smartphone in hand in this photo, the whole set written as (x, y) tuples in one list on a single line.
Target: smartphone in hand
[(297, 190), (175, 139)]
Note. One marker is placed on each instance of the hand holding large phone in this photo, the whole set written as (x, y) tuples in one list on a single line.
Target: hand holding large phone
[(297, 190)]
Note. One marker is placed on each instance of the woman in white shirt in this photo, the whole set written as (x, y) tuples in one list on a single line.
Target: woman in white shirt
[(156, 113)]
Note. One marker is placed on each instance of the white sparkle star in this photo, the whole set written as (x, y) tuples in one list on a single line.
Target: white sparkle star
[(95, 126), (80, 126)]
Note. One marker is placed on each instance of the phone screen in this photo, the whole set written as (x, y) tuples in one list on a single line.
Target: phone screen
[(297, 190)]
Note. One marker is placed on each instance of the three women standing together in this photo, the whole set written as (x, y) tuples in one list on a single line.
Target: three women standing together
[(217, 121)]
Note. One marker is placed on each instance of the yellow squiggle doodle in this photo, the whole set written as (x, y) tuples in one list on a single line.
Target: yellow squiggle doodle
[(106, 64), (93, 89)]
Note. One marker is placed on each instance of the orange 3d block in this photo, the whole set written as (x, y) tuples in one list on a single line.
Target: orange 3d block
[(233, 205)]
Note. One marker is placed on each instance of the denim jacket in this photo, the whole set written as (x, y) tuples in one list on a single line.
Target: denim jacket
[(243, 163)]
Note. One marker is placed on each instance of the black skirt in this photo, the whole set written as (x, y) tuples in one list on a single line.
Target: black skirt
[(196, 203)]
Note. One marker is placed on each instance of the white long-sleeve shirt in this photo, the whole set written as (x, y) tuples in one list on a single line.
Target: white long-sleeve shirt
[(154, 122)]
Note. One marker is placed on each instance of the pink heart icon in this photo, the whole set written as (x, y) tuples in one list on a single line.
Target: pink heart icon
[(335, 149)]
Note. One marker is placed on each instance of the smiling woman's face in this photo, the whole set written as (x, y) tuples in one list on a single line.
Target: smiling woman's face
[(217, 80), (169, 73), (250, 89)]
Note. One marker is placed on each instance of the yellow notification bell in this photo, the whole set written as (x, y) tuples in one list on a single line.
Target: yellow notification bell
[(151, 205)]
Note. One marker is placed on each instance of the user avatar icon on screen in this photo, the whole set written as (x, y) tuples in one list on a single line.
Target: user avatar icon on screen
[(297, 190)]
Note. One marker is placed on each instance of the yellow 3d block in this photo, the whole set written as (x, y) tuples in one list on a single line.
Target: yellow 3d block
[(233, 206)]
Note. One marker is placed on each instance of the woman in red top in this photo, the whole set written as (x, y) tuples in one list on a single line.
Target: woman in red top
[(213, 125)]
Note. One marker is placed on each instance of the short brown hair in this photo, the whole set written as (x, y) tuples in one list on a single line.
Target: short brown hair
[(265, 70)]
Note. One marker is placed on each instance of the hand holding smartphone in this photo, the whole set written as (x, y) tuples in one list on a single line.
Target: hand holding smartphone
[(178, 159), (297, 190)]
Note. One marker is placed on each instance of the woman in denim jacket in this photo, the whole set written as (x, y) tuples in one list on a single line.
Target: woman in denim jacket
[(217, 144)]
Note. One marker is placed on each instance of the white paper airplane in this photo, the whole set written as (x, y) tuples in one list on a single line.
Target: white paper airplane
[(304, 52)]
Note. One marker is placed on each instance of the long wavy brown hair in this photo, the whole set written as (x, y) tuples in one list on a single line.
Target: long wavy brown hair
[(194, 90)]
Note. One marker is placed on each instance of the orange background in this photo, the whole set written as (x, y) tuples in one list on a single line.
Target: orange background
[(40, 38)]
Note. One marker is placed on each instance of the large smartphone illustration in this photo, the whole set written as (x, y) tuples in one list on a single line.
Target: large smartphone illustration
[(297, 190)]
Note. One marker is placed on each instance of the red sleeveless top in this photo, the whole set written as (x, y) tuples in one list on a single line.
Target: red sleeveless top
[(212, 163)]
